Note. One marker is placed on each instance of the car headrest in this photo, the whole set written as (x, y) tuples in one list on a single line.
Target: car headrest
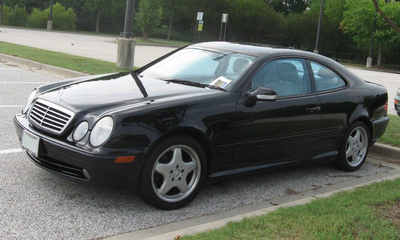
[(240, 64), (287, 72), (326, 73)]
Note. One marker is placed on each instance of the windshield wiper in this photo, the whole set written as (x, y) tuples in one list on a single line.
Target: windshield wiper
[(139, 84), (196, 84)]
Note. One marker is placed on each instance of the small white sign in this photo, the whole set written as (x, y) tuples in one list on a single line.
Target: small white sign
[(220, 82), (199, 16), (224, 18)]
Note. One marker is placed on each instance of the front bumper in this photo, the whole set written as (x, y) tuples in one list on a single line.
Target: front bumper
[(66, 159)]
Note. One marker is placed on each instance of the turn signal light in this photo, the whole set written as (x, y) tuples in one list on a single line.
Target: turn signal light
[(127, 159), (396, 101)]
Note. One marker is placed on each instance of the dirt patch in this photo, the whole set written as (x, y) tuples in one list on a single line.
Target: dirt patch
[(392, 212)]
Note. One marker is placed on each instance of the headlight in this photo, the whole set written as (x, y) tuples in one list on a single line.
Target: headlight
[(80, 131), (398, 91), (30, 100), (101, 131)]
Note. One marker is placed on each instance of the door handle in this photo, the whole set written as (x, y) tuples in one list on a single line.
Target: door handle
[(313, 109)]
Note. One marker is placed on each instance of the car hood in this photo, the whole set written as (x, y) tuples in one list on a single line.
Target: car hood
[(107, 92)]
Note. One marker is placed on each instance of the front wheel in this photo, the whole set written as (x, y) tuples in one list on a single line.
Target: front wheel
[(173, 173), (354, 148)]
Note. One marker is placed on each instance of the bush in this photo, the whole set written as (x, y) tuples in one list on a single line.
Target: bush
[(17, 16), (63, 19), (38, 19)]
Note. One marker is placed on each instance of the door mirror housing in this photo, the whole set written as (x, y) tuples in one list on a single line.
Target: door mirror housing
[(262, 94)]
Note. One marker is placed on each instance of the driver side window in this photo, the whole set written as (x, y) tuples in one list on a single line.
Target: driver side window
[(287, 77)]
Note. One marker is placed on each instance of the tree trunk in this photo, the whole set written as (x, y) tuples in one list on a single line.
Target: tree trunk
[(170, 29), (380, 55), (1, 13), (386, 18), (145, 35), (98, 21)]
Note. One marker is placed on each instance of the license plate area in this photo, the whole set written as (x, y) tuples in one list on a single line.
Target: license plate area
[(30, 143)]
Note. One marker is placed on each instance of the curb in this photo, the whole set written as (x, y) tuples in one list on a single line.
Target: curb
[(383, 151), (40, 66), (206, 223)]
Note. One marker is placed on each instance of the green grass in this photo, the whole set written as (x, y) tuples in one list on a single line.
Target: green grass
[(392, 133), (154, 41), (348, 215), (72, 62)]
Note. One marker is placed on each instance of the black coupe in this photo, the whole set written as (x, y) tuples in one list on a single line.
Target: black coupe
[(203, 112)]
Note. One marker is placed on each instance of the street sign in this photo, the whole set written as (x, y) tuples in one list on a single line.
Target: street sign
[(224, 18), (200, 27), (199, 16)]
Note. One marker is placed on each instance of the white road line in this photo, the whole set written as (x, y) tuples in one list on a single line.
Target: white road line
[(11, 106), (16, 150), (24, 82)]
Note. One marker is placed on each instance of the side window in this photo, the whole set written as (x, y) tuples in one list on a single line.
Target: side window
[(287, 77), (326, 79)]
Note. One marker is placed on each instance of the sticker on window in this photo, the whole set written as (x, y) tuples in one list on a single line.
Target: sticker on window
[(221, 82)]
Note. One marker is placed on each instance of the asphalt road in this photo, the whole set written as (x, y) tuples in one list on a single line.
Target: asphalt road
[(35, 204)]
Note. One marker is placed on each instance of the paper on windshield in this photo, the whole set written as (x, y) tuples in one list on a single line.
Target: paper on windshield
[(220, 82)]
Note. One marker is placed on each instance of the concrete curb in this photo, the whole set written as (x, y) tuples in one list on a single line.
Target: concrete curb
[(211, 222), (40, 66), (383, 151)]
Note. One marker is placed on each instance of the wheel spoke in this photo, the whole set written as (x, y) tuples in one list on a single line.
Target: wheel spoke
[(349, 153), (163, 169), (165, 187)]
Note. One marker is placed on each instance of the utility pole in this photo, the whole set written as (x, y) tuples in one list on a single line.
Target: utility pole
[(316, 50), (126, 43), (50, 21), (371, 47)]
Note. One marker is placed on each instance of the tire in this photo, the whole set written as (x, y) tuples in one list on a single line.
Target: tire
[(354, 148), (173, 173)]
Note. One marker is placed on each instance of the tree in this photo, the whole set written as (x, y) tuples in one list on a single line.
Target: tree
[(148, 16), (289, 6), (97, 6), (171, 12), (385, 17)]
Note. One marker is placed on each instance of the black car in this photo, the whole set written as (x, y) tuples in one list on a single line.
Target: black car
[(397, 102), (203, 112)]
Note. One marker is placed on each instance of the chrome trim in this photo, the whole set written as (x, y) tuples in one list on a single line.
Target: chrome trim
[(49, 116)]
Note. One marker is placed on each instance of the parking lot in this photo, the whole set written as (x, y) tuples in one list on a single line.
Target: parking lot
[(35, 204)]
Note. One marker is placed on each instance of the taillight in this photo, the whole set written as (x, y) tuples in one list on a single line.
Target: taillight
[(386, 106)]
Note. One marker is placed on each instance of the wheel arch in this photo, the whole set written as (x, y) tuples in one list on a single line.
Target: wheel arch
[(191, 132), (367, 122)]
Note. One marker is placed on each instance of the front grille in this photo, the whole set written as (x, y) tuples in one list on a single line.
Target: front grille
[(50, 116)]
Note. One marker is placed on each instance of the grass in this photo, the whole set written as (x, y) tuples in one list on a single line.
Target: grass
[(154, 41), (392, 134), (72, 62), (349, 215)]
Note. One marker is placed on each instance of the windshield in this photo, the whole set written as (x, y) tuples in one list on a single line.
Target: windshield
[(201, 67)]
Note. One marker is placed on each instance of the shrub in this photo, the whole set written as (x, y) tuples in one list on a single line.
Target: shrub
[(38, 19), (18, 16), (63, 19)]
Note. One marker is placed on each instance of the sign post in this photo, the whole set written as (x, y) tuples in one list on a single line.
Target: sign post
[(199, 24), (224, 21)]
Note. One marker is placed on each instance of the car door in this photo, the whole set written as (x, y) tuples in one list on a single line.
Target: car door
[(283, 129), (332, 90)]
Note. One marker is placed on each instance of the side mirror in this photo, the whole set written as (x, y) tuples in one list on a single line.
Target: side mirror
[(262, 94)]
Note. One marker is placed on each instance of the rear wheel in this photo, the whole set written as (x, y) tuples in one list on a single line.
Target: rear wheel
[(173, 173), (354, 148)]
